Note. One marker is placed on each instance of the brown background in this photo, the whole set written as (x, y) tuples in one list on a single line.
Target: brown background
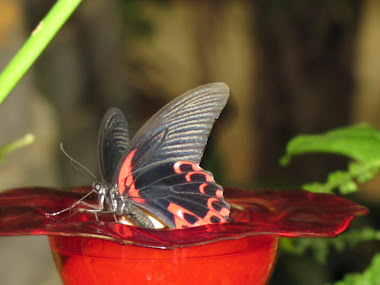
[(293, 66)]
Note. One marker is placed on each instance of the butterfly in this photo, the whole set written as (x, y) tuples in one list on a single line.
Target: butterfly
[(154, 180)]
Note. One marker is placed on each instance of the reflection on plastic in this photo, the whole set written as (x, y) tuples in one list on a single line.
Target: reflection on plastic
[(81, 260), (283, 213)]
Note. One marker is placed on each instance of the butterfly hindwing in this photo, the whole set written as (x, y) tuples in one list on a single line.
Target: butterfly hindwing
[(181, 194), (113, 142)]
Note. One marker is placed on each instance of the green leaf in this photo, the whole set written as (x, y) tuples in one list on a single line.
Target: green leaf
[(359, 142), (319, 247), (348, 187), (345, 180), (342, 180), (370, 276), (363, 172), (317, 187), (338, 178)]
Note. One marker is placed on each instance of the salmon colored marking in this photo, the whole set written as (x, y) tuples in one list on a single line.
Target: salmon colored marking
[(208, 177), (224, 212), (177, 167), (179, 163), (211, 214), (202, 187), (125, 172), (219, 193), (134, 194), (179, 219), (138, 200), (128, 180), (196, 167)]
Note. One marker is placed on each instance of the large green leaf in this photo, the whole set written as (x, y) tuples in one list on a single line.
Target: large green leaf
[(359, 142)]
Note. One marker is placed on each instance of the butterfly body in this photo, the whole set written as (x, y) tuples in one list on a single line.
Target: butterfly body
[(155, 179), (112, 201)]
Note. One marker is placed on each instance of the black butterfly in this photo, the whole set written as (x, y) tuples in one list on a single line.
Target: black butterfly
[(156, 177)]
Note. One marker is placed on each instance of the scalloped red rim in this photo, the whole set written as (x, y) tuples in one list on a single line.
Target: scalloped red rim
[(289, 213)]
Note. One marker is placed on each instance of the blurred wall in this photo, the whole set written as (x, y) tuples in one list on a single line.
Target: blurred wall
[(25, 260), (366, 104), (293, 66)]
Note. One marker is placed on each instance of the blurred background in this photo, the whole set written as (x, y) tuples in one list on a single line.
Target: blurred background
[(293, 66)]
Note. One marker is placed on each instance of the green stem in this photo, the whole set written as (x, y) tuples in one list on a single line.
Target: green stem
[(37, 42), (27, 139)]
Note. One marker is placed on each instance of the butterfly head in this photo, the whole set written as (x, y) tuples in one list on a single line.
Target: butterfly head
[(100, 188)]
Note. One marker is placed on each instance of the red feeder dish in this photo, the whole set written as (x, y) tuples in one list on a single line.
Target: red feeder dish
[(82, 260), (242, 251)]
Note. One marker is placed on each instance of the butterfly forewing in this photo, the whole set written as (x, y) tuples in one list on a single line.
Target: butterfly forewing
[(179, 131), (113, 143)]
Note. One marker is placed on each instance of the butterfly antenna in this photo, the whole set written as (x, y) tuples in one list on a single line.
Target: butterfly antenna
[(74, 162)]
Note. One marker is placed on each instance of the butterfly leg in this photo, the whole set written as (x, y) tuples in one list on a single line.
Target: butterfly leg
[(92, 209), (79, 202)]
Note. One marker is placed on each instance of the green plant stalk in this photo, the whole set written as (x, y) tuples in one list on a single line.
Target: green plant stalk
[(27, 139), (36, 43)]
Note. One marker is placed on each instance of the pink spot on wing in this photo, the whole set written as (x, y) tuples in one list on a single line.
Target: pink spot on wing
[(202, 187), (125, 177), (177, 166), (129, 180), (207, 176), (224, 212), (179, 218)]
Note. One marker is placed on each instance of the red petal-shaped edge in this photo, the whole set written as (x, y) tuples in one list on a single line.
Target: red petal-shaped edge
[(288, 213)]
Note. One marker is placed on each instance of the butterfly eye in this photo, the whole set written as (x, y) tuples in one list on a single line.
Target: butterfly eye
[(96, 186)]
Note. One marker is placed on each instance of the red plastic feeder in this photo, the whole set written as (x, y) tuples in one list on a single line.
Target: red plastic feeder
[(243, 251), (95, 261)]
